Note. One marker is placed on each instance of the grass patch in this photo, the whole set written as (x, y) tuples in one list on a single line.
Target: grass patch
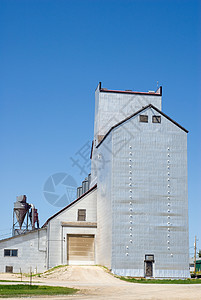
[(155, 281), (13, 280), (160, 281), (54, 268), (46, 272), (28, 290)]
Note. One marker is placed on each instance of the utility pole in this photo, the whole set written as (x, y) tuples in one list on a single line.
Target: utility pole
[(195, 256)]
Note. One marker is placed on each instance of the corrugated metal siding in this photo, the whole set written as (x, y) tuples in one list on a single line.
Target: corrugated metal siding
[(31, 252), (149, 197), (156, 154), (111, 108), (57, 234), (104, 207)]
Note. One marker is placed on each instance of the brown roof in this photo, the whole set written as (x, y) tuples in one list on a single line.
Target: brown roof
[(137, 112), (69, 205)]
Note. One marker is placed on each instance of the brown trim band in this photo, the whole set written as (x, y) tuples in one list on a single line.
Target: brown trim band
[(132, 92)]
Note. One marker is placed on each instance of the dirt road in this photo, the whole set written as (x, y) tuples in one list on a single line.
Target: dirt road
[(96, 283)]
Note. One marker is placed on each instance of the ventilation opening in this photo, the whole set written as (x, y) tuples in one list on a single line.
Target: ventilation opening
[(156, 119), (144, 118)]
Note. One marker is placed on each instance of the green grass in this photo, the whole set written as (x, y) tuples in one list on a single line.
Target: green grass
[(46, 272), (59, 266), (13, 280), (161, 281), (28, 290)]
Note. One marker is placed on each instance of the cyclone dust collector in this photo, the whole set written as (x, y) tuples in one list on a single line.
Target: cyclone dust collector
[(24, 216)]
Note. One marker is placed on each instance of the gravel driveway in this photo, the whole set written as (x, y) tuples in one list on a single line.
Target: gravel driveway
[(96, 283)]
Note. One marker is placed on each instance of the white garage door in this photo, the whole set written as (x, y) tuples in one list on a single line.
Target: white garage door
[(80, 250)]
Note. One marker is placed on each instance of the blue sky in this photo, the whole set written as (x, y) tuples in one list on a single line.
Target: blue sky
[(53, 54)]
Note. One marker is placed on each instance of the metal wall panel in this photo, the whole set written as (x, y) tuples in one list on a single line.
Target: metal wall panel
[(111, 108), (57, 243), (104, 204), (31, 252), (148, 195)]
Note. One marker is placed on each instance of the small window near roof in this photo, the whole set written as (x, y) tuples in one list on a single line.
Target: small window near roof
[(10, 252), (156, 119), (144, 118), (81, 215)]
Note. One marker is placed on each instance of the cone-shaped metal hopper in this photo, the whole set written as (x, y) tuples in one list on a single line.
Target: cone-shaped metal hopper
[(20, 215), (20, 209)]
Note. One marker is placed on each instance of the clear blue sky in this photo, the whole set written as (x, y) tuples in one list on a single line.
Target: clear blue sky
[(53, 53)]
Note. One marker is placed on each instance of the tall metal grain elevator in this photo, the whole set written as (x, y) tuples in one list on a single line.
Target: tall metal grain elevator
[(131, 213), (140, 159)]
